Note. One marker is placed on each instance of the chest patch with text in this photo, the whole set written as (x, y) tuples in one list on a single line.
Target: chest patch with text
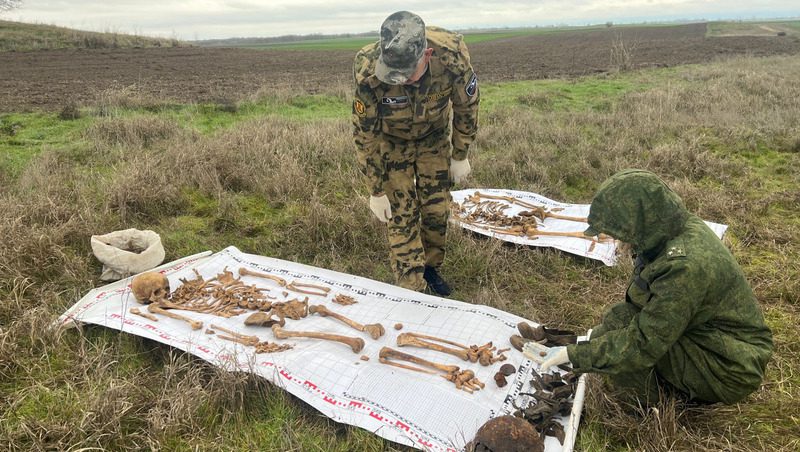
[(395, 102)]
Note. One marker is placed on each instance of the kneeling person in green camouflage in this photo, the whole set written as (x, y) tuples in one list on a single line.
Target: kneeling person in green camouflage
[(415, 114), (690, 321)]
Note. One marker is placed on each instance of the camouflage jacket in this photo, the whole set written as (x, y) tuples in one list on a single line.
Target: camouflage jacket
[(693, 305), (412, 112)]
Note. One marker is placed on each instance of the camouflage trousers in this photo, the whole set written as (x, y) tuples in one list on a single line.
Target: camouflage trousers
[(417, 183), (678, 372)]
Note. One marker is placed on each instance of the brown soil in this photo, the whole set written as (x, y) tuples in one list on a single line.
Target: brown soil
[(50, 79)]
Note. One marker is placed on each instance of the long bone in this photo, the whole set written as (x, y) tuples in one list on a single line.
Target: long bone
[(386, 354), (245, 272), (355, 343), (308, 289), (483, 354), (136, 311), (463, 379), (375, 330), (409, 339), (155, 308), (238, 337)]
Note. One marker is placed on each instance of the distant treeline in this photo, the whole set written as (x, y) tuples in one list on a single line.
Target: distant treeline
[(255, 42)]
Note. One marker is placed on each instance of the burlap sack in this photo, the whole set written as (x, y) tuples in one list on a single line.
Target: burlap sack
[(127, 252)]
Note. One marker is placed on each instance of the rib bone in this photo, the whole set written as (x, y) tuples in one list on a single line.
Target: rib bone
[(375, 330), (355, 343)]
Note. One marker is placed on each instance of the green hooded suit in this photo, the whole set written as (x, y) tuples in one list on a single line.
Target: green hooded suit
[(689, 317)]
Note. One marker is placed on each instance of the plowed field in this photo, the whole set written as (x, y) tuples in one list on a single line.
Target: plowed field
[(48, 79)]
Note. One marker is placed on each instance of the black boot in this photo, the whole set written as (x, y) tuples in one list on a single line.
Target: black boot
[(435, 282)]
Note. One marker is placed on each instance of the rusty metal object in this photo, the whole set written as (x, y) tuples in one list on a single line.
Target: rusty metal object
[(506, 434), (553, 398)]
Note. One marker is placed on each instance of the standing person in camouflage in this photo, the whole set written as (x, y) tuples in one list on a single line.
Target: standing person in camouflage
[(415, 114), (690, 321)]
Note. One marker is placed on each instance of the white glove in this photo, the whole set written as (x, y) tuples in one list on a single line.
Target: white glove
[(380, 207), (555, 357), (459, 170)]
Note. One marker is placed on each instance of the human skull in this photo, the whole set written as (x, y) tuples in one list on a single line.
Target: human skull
[(150, 287), (506, 434)]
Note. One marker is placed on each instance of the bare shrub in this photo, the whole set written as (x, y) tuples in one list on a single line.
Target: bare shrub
[(132, 132), (70, 111), (622, 52), (112, 101)]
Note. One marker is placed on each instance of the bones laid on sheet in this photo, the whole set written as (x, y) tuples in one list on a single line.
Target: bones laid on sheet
[(488, 212)]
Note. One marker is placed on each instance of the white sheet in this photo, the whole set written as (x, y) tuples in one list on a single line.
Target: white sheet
[(602, 251), (419, 410)]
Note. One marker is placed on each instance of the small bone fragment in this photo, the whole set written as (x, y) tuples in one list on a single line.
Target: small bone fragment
[(156, 309), (210, 331), (263, 319), (375, 330), (364, 358), (245, 272), (272, 347), (398, 326), (344, 300), (355, 343), (136, 311), (508, 369), (500, 379)]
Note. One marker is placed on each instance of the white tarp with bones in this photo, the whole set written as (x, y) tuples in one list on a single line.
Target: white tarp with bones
[(545, 222), (422, 410)]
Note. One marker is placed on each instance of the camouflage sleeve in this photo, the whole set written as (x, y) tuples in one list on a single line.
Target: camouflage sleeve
[(651, 332), (466, 97), (366, 134)]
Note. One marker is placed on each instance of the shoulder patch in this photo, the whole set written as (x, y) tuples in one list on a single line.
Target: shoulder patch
[(472, 85), (676, 251), (359, 108)]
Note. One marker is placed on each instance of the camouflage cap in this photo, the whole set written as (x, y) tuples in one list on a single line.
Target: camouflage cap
[(402, 45)]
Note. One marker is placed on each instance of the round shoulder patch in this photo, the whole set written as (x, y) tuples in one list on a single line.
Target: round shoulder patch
[(359, 108)]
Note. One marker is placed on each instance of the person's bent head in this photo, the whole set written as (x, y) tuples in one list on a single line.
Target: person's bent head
[(636, 207)]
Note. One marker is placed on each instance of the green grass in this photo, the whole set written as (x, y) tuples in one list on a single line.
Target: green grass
[(276, 176), (23, 136), (753, 28)]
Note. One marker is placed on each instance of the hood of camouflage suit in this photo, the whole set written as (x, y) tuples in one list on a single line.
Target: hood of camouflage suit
[(636, 207)]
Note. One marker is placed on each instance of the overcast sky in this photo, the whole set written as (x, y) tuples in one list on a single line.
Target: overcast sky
[(207, 19)]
